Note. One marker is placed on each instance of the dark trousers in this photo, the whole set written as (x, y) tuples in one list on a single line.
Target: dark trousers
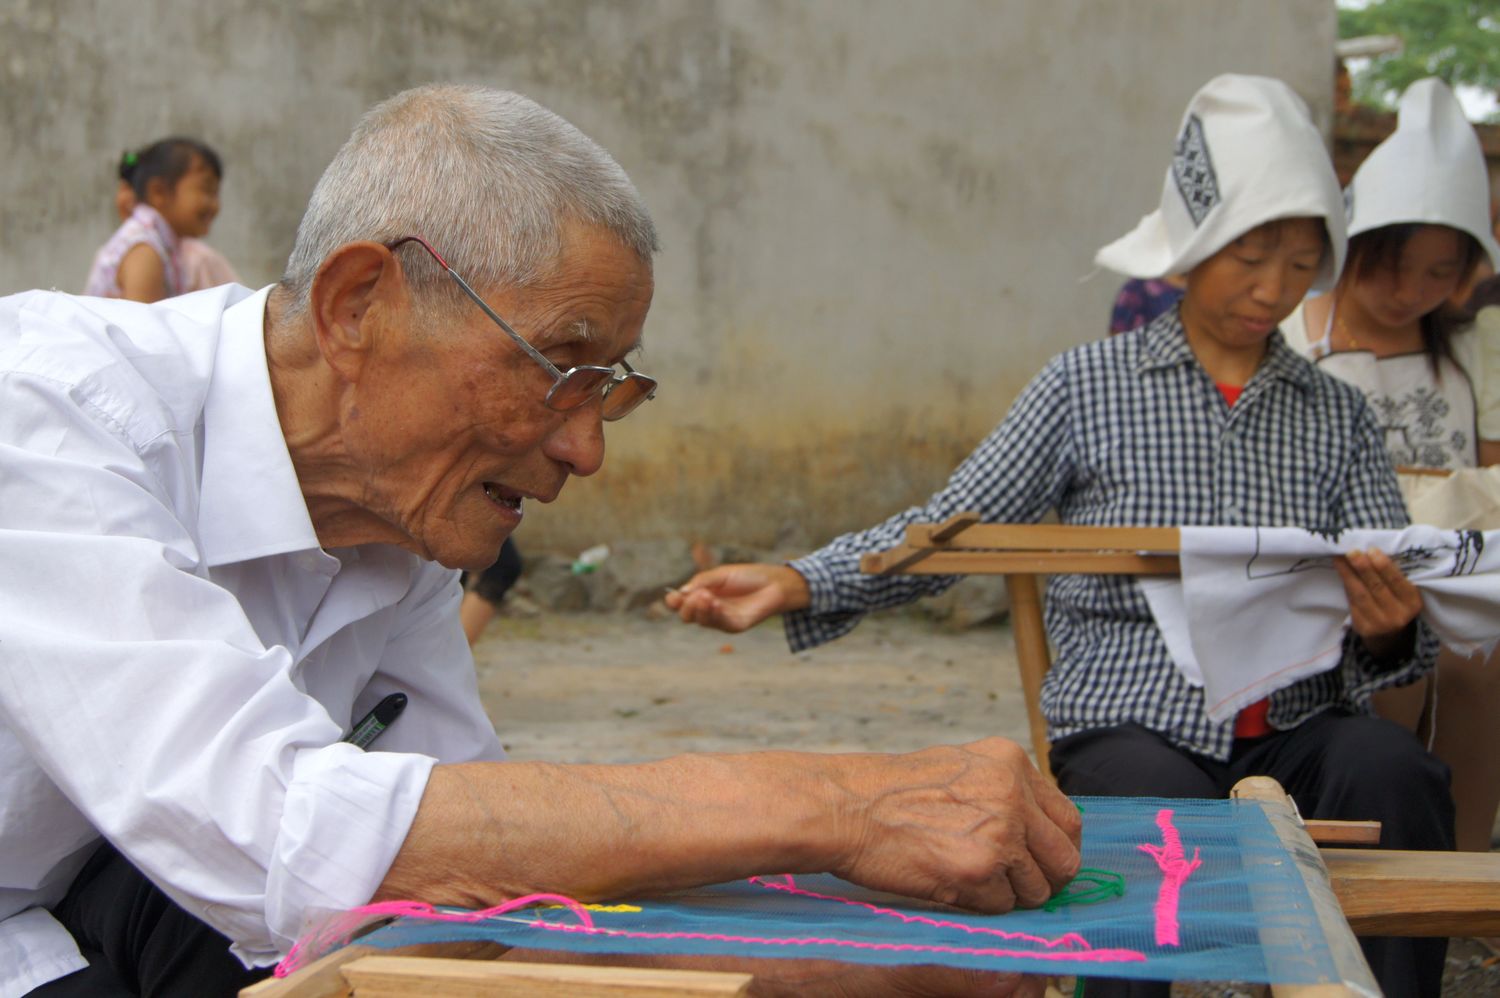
[(138, 941), (494, 582), (1333, 765)]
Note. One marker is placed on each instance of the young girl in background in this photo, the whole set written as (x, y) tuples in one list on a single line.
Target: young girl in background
[(202, 265), (175, 184), (1419, 226)]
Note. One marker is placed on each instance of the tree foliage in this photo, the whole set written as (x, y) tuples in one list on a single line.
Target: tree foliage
[(1458, 40)]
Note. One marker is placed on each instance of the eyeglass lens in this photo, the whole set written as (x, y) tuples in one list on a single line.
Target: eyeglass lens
[(578, 387), (581, 384), (621, 398)]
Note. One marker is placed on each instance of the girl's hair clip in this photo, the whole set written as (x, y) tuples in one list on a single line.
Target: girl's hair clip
[(129, 159)]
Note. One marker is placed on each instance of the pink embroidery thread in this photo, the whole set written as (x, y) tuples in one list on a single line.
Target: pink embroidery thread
[(339, 929), (1175, 869)]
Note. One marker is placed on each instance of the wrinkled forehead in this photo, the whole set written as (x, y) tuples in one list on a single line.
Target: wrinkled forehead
[(596, 297)]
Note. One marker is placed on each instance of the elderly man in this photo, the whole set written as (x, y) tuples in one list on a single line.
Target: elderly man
[(230, 524)]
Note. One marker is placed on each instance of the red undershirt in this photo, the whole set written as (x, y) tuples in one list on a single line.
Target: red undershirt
[(1250, 722)]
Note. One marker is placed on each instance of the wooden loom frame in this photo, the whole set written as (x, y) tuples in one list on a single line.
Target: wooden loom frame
[(471, 970)]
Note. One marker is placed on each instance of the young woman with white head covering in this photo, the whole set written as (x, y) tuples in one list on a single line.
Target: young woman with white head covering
[(1201, 417), (1419, 225)]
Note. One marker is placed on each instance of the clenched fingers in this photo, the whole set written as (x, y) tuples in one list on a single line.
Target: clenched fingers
[(974, 826)]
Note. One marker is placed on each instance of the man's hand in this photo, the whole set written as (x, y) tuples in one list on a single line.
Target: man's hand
[(976, 826), (1382, 601), (735, 598)]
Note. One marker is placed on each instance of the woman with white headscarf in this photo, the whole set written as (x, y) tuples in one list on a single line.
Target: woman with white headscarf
[(1203, 417), (1418, 227)]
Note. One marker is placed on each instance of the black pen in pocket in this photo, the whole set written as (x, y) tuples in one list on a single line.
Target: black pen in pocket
[(377, 720)]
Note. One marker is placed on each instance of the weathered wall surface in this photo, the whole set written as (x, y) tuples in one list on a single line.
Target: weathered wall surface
[(878, 217)]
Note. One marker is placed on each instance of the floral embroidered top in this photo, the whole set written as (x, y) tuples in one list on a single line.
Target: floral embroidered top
[(1427, 421), (145, 225)]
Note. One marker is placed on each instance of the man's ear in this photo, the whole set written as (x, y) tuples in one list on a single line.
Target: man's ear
[(354, 295)]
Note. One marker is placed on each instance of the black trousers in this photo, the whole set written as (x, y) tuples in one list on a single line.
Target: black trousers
[(1334, 765), (138, 941)]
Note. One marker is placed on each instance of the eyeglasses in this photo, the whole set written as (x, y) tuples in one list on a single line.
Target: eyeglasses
[(575, 387)]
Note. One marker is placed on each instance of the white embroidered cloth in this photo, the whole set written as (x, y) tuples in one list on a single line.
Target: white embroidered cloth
[(1258, 608)]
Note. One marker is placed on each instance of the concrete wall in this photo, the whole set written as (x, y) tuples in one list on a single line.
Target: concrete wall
[(878, 216)]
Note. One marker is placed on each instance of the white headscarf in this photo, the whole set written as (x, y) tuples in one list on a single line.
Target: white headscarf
[(1431, 170), (1247, 154)]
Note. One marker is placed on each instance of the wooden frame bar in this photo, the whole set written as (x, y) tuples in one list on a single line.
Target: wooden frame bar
[(365, 972), (1354, 974), (1389, 892)]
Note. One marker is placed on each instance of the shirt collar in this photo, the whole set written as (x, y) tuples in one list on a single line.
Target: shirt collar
[(1166, 345), (251, 504)]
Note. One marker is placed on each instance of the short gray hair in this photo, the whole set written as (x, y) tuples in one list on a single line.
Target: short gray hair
[(488, 177)]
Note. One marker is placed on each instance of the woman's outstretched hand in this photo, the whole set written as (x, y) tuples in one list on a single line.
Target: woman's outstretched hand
[(735, 598)]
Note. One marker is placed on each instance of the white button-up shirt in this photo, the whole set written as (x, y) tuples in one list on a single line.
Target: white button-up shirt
[(179, 658)]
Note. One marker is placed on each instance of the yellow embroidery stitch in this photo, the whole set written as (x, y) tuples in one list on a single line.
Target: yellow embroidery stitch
[(614, 909)]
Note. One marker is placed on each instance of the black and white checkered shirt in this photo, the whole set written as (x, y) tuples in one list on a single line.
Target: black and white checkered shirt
[(1131, 431)]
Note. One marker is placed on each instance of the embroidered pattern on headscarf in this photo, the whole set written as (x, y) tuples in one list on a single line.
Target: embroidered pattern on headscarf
[(1193, 169)]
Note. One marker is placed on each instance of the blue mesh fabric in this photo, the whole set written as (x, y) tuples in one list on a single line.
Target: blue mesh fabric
[(1243, 914)]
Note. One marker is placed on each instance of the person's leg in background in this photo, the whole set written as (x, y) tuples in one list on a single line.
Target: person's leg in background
[(1131, 761), (482, 599), (139, 942), (1353, 767)]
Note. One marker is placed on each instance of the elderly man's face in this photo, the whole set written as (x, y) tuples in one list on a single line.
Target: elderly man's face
[(450, 428)]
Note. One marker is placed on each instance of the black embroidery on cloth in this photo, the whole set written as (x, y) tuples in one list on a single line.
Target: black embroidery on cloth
[(1193, 170)]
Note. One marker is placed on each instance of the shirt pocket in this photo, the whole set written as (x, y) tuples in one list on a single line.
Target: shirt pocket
[(1295, 486)]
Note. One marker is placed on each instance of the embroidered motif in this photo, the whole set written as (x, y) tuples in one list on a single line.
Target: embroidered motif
[(1417, 428), (1175, 869), (1470, 547), (1193, 170)]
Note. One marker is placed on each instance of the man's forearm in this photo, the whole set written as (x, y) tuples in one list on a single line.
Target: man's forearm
[(486, 832), (970, 825)]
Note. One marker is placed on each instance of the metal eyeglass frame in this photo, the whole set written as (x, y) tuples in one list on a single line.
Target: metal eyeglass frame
[(606, 378)]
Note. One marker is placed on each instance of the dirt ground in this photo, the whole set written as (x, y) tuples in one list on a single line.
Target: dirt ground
[(624, 687)]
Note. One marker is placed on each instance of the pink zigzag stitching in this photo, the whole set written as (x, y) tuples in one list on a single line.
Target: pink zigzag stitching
[(340, 928), (1175, 869)]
